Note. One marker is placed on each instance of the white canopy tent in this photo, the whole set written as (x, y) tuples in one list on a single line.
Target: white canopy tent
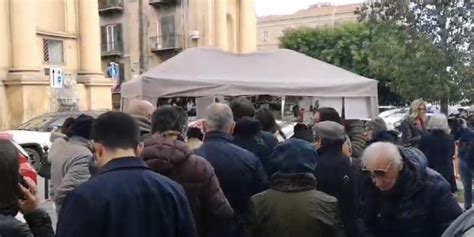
[(207, 72)]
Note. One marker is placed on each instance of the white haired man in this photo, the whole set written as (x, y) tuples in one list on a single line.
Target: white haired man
[(403, 197)]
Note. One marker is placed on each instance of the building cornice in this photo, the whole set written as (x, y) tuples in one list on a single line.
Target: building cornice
[(57, 34)]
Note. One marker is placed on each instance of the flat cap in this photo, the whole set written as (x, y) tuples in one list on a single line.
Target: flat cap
[(329, 130)]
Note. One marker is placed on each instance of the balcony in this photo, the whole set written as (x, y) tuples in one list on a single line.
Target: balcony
[(166, 42), (110, 6), (160, 3), (112, 49)]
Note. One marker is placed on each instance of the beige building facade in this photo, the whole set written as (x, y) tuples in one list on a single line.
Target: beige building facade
[(140, 34), (271, 28), (41, 38)]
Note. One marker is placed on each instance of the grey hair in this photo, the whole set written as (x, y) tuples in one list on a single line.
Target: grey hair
[(382, 150), (439, 122), (219, 117)]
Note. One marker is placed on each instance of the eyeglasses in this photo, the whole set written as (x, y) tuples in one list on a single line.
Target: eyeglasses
[(421, 109), (377, 173)]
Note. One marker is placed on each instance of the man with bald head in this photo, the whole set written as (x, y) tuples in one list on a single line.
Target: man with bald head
[(402, 196), (141, 111), (239, 171)]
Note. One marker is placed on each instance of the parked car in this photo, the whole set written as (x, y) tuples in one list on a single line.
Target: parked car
[(34, 135), (26, 170)]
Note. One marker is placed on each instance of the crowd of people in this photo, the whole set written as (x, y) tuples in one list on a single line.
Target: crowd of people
[(145, 173)]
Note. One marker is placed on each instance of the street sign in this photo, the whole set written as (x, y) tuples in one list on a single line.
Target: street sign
[(56, 77), (113, 71)]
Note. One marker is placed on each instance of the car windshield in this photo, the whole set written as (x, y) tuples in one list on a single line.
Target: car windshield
[(36, 124)]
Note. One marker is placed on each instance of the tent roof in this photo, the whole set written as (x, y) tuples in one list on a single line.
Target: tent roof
[(211, 72)]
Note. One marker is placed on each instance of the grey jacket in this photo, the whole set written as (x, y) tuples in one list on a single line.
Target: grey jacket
[(69, 167)]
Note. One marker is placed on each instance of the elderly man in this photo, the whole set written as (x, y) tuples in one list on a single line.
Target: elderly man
[(239, 171), (141, 111), (405, 198)]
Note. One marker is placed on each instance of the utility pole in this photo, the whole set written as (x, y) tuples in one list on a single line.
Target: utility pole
[(141, 31)]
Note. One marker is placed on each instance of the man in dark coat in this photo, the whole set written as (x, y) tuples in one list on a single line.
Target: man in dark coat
[(125, 198), (239, 171), (336, 175), (242, 108), (404, 197), (292, 206), (166, 154), (376, 131)]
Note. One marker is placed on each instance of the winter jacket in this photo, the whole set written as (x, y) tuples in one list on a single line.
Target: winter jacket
[(465, 136), (293, 207), (463, 226), (38, 224), (411, 134), (385, 136), (175, 160), (420, 205), (336, 175), (356, 133), (439, 148), (126, 198), (69, 167), (240, 173), (248, 135), (144, 125)]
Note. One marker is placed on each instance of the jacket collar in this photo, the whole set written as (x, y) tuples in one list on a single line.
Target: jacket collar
[(123, 163), (218, 136), (293, 182)]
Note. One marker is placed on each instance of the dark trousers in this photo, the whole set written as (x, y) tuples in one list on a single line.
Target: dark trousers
[(466, 177)]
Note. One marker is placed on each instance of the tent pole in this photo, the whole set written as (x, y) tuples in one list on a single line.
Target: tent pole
[(283, 100)]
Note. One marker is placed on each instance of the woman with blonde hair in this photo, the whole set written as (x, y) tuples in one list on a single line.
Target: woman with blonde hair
[(414, 127), (439, 148)]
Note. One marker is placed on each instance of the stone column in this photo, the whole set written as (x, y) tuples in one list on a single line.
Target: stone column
[(89, 38), (23, 37), (5, 47), (248, 26), (220, 22), (94, 90)]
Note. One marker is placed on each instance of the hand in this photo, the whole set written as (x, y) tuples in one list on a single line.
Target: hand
[(30, 204)]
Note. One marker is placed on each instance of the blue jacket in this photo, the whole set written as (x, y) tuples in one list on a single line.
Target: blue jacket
[(421, 204), (126, 198), (239, 171)]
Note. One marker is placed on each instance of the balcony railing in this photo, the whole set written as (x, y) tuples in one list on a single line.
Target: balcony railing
[(112, 48), (107, 6), (159, 3), (165, 42)]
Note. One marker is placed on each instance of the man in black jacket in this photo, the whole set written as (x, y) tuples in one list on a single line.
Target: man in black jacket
[(239, 171), (336, 175), (125, 198), (402, 197)]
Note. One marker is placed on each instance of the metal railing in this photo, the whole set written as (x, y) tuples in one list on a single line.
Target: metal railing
[(105, 5), (112, 48), (166, 42)]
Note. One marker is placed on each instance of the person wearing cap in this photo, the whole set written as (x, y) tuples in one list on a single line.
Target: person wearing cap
[(71, 161), (402, 196), (376, 131), (292, 206), (336, 174)]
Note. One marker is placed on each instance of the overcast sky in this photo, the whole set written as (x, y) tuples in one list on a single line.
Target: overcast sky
[(277, 7)]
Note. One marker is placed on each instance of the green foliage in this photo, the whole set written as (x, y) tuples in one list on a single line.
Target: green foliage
[(349, 46), (439, 35)]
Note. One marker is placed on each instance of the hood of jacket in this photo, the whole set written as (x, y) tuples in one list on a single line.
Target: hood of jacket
[(163, 154), (416, 164), (293, 182)]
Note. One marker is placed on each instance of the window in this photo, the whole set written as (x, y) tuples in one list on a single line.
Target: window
[(168, 31), (265, 36), (53, 51), (112, 38)]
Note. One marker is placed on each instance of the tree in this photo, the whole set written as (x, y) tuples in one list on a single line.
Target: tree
[(349, 46), (446, 24)]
